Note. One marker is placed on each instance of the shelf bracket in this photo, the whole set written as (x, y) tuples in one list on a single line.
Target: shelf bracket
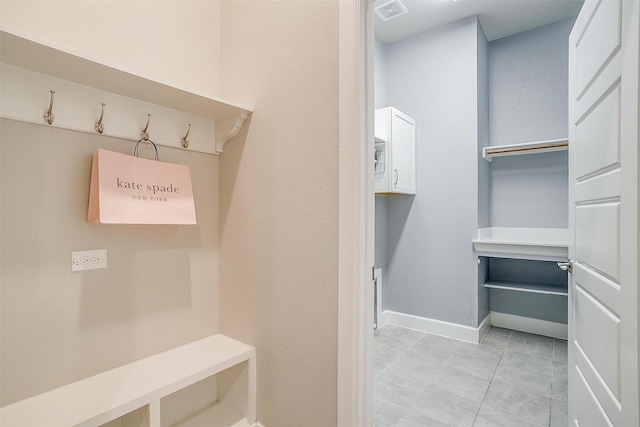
[(244, 115)]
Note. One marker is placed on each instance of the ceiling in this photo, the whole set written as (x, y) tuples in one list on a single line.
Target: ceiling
[(499, 18)]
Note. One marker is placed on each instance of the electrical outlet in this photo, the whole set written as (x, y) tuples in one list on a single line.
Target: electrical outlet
[(88, 260)]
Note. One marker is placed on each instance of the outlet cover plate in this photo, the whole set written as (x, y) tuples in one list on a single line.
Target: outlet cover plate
[(88, 260)]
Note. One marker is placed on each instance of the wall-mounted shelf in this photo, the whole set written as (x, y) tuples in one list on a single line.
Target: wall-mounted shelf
[(544, 244), (525, 148), (29, 63), (527, 287), (143, 386)]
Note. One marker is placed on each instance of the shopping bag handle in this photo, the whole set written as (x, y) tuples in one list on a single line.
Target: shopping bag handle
[(155, 147)]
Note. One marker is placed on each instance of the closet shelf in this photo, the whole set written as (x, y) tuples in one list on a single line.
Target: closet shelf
[(527, 287), (525, 148), (25, 52), (544, 244)]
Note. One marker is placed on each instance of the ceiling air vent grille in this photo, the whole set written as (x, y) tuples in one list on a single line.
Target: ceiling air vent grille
[(390, 9)]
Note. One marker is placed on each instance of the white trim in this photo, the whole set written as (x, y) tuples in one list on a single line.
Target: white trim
[(438, 327), (529, 324), (355, 213), (544, 244), (377, 279)]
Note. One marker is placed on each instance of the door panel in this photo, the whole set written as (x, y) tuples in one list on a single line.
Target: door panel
[(599, 286), (599, 133), (598, 44), (597, 238), (597, 334), (591, 414), (603, 222)]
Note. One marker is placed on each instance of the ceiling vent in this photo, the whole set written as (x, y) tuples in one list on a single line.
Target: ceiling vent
[(388, 10)]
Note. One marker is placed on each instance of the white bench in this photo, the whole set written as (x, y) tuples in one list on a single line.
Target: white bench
[(207, 382)]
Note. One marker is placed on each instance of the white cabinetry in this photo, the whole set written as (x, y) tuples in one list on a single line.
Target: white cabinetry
[(395, 170)]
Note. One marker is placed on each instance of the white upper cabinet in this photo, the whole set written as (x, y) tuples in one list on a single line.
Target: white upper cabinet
[(395, 145)]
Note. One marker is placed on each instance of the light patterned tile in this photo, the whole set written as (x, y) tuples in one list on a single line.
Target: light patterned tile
[(559, 413), (529, 336), (528, 362), (461, 383), (497, 330), (393, 389), (398, 337), (559, 381), (527, 380), (527, 344), (495, 339), (413, 418), (386, 414), (560, 351), (446, 407), (443, 343), (522, 403), (477, 365), (480, 350), (383, 355), (489, 417), (420, 365)]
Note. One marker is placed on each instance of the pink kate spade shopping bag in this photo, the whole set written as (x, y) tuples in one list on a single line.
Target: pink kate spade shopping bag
[(130, 190)]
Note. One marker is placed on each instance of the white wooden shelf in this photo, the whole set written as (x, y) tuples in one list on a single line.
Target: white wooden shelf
[(525, 148), (107, 396), (544, 244), (88, 81), (215, 415), (527, 287)]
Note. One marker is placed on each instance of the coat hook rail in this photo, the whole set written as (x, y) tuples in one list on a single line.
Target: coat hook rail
[(99, 127), (145, 134), (48, 115), (184, 141)]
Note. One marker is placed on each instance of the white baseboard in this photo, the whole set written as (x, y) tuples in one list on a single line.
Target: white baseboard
[(437, 327), (528, 324)]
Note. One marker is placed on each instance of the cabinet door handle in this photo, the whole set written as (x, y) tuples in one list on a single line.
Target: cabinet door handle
[(395, 176)]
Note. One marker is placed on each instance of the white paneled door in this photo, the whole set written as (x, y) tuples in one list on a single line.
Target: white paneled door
[(603, 197)]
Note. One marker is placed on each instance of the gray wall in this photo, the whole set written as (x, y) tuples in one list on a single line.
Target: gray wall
[(466, 93), (528, 81), (432, 271), (484, 172), (380, 101)]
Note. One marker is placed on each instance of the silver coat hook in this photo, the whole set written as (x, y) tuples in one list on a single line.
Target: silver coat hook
[(99, 127), (48, 116), (144, 134), (185, 141)]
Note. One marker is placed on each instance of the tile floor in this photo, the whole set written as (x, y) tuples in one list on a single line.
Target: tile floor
[(510, 379)]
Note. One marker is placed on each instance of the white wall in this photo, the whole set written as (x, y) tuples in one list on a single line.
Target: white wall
[(161, 287), (279, 204), (177, 42), (432, 270), (276, 227)]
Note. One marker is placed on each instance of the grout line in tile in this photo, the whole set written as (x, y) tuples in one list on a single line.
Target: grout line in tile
[(490, 382)]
